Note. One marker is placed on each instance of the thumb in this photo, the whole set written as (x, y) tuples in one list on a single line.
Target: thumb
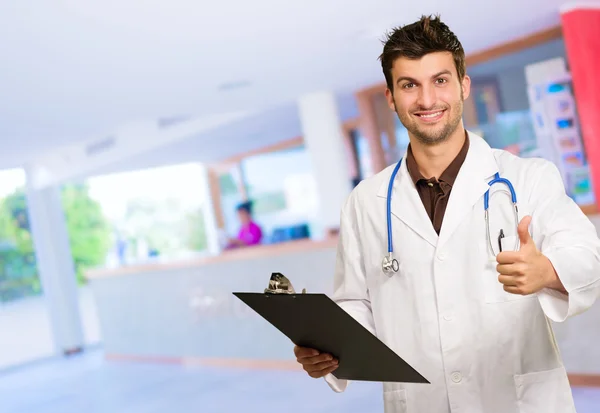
[(523, 230)]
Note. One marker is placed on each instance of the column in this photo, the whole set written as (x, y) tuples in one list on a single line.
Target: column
[(55, 266), (581, 31), (214, 223), (324, 139), (369, 127)]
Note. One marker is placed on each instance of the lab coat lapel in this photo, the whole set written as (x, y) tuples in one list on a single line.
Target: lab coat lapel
[(469, 187), (407, 206)]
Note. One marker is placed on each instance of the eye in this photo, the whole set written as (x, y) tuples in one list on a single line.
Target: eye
[(441, 81), (408, 85)]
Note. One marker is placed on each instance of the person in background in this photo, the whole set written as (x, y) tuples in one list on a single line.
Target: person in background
[(250, 232)]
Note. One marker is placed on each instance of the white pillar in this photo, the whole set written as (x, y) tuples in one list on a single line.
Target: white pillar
[(55, 266), (324, 140), (213, 234)]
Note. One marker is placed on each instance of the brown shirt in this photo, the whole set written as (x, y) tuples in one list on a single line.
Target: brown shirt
[(435, 193)]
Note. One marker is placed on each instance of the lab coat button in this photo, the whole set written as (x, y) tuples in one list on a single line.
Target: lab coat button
[(448, 317), (441, 256), (456, 377)]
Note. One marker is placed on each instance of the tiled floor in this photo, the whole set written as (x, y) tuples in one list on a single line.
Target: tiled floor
[(88, 384)]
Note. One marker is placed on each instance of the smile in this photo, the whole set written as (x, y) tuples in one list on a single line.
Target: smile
[(431, 116)]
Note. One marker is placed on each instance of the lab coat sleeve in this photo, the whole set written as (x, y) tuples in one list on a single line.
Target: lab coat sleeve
[(569, 240), (350, 290)]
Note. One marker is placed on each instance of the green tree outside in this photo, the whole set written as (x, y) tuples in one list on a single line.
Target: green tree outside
[(89, 236), (90, 233)]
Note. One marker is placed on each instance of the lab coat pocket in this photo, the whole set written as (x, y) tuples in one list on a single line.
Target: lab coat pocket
[(545, 391), (394, 401)]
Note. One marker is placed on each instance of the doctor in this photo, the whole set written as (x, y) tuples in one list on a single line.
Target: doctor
[(470, 303)]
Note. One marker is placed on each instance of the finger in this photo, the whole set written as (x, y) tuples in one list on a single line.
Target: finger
[(510, 257), (512, 289), (508, 280), (329, 370), (523, 231), (316, 359), (320, 366), (323, 371), (510, 269), (517, 290), (302, 352)]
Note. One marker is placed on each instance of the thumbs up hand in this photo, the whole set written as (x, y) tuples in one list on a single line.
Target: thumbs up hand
[(527, 270)]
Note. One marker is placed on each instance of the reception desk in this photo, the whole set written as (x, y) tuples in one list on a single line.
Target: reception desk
[(185, 312)]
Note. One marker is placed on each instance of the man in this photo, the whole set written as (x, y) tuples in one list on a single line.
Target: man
[(468, 311)]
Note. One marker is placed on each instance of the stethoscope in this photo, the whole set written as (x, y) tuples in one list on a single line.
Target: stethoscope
[(390, 264)]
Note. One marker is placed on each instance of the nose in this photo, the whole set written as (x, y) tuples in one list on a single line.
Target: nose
[(427, 96)]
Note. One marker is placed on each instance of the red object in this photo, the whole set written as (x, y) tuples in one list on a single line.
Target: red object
[(581, 32)]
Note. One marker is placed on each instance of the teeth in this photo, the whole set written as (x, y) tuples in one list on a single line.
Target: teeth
[(432, 115)]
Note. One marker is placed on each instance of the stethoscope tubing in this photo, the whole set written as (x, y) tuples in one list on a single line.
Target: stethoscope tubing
[(390, 264)]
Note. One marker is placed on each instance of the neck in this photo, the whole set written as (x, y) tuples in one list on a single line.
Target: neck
[(433, 160)]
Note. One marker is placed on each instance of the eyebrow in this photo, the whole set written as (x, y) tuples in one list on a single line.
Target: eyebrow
[(410, 79)]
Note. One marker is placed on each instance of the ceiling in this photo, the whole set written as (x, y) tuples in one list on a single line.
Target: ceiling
[(73, 71)]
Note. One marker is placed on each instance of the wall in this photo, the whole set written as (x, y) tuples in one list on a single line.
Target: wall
[(509, 71), (513, 89)]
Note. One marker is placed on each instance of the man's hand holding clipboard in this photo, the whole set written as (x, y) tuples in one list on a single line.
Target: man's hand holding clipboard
[(316, 364), (327, 339)]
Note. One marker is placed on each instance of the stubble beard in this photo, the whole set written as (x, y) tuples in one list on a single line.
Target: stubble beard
[(431, 136)]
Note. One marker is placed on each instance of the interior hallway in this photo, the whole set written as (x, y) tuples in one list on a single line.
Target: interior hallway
[(89, 384)]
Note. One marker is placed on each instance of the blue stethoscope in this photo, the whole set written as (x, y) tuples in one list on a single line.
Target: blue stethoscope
[(390, 264)]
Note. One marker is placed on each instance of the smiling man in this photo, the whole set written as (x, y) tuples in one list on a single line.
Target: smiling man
[(424, 68), (466, 302)]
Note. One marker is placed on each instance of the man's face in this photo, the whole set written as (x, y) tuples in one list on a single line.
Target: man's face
[(428, 96)]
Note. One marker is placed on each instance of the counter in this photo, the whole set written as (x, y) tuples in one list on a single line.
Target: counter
[(187, 309)]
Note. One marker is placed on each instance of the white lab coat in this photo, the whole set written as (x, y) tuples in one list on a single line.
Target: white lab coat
[(483, 350)]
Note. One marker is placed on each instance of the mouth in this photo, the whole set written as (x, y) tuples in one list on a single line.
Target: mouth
[(430, 116)]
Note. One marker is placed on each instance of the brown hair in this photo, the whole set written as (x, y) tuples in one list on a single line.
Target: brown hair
[(413, 41)]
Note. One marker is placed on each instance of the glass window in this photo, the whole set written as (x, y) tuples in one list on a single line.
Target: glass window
[(363, 154), (283, 191), (232, 194), (151, 214)]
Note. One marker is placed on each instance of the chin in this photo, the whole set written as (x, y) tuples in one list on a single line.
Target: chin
[(433, 135)]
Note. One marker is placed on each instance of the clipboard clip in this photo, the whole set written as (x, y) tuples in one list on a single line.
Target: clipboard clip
[(279, 284)]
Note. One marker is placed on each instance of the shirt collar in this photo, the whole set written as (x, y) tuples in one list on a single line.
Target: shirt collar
[(448, 176)]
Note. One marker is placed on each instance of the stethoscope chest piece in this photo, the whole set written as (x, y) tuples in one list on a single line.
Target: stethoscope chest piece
[(390, 265)]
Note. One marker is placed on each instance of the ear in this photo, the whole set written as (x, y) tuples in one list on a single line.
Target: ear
[(466, 87), (390, 99)]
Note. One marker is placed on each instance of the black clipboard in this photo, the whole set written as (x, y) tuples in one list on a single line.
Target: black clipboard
[(316, 321)]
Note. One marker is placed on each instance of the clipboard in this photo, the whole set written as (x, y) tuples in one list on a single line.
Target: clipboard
[(315, 321)]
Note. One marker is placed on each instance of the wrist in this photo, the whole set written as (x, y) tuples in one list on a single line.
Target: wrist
[(552, 279)]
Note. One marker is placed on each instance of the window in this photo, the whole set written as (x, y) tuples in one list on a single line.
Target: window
[(282, 189), (151, 214), (233, 192), (19, 276)]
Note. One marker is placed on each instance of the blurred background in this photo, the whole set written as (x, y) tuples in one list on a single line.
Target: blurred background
[(143, 140)]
